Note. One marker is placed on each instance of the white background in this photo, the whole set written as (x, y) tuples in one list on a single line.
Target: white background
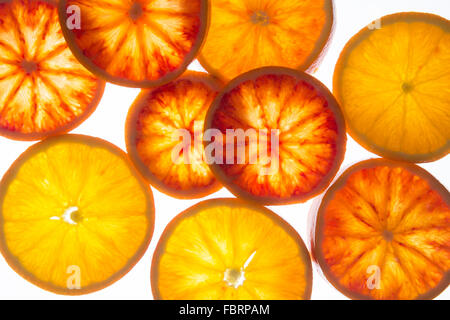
[(108, 123)]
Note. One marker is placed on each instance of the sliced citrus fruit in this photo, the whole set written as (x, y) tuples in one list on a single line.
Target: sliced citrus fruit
[(283, 136), (75, 215), (392, 84), (164, 134), (43, 89), (226, 249), (135, 43), (383, 232), (249, 34)]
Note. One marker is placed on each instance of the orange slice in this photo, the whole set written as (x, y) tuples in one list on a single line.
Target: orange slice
[(43, 89), (171, 119), (294, 139), (249, 34), (383, 232), (135, 43), (226, 249), (393, 85), (75, 216)]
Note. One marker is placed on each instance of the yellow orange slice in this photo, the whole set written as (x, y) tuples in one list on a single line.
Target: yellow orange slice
[(249, 34), (226, 249), (164, 136), (43, 89), (383, 232), (294, 136), (393, 82), (75, 216), (135, 43)]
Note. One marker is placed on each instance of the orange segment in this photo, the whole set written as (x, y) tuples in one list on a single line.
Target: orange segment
[(168, 120), (383, 232), (393, 85), (226, 249), (75, 216), (43, 89), (136, 43), (249, 34), (294, 136)]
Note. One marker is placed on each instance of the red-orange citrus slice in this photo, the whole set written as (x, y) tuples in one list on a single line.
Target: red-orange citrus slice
[(393, 85), (43, 89), (283, 136), (135, 43), (383, 232), (226, 249), (75, 216), (250, 34), (164, 134)]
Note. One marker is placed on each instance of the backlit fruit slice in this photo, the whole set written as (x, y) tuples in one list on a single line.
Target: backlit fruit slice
[(135, 43), (393, 85), (383, 232), (226, 249), (283, 136), (75, 215), (43, 89), (249, 34), (164, 136)]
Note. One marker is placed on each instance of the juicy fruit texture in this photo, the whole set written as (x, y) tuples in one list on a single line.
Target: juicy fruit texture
[(249, 34), (171, 119), (75, 216), (393, 84), (226, 249), (43, 88), (137, 43), (299, 136), (383, 232)]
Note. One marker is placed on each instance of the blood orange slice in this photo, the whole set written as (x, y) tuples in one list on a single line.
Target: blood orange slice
[(136, 43), (164, 135), (43, 89), (281, 136), (383, 232), (226, 249)]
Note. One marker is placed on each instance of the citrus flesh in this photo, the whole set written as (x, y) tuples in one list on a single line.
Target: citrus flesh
[(249, 34), (383, 232), (393, 85), (43, 88), (165, 135), (226, 249), (136, 43), (75, 215), (295, 136)]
